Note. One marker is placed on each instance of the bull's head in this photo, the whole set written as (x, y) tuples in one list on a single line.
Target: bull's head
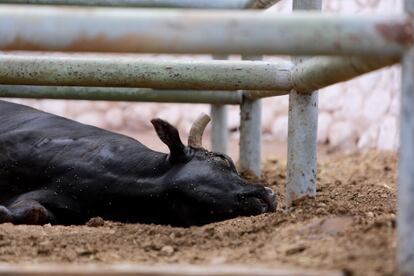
[(204, 186)]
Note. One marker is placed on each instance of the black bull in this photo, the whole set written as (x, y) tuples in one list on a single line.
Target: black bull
[(55, 170)]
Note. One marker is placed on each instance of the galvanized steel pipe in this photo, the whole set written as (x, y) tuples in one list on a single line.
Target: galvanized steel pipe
[(302, 132), (198, 4), (258, 94), (250, 133), (219, 127), (405, 207), (312, 74), (131, 72), (405, 223), (219, 122), (119, 94), (219, 32), (319, 72)]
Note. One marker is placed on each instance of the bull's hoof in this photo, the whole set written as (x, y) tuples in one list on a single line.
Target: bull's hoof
[(36, 215), (5, 215)]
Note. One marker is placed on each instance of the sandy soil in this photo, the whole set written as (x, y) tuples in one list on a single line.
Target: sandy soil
[(350, 226)]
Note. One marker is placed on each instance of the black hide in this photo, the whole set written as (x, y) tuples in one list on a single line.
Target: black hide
[(54, 170)]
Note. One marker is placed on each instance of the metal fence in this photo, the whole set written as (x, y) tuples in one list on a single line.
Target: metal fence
[(343, 46)]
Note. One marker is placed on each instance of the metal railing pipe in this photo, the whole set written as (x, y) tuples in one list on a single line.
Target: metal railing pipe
[(220, 32), (258, 94), (302, 132), (312, 74), (219, 127), (405, 222), (132, 72), (250, 134), (199, 4), (319, 72), (405, 207), (119, 94), (219, 121)]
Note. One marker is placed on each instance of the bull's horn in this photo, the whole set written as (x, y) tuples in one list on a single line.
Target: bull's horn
[(197, 129)]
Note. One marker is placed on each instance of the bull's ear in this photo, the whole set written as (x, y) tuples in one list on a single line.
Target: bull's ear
[(170, 136)]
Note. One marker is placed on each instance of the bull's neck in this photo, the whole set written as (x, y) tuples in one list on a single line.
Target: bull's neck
[(149, 163)]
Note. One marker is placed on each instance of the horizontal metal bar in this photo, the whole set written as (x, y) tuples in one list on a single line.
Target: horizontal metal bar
[(198, 4), (259, 94), (263, 79), (220, 32), (119, 94), (132, 72), (319, 72), (312, 74), (128, 269)]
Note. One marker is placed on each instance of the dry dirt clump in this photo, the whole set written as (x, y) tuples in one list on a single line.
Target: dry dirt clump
[(350, 226)]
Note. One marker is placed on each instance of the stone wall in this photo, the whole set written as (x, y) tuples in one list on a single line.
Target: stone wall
[(358, 114)]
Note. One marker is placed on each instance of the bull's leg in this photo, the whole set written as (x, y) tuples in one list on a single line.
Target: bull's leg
[(28, 211), (5, 215), (46, 206)]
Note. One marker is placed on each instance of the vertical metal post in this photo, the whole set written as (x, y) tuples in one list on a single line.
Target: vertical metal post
[(405, 224), (219, 122), (302, 131), (219, 128), (250, 133)]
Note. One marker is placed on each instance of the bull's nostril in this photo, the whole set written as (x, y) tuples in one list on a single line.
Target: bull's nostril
[(264, 205), (257, 201), (269, 191)]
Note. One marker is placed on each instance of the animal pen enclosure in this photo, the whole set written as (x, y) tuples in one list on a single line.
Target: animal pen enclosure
[(351, 45)]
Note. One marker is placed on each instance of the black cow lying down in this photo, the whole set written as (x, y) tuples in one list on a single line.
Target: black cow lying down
[(55, 170)]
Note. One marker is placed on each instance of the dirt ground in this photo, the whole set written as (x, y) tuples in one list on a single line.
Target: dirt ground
[(350, 226)]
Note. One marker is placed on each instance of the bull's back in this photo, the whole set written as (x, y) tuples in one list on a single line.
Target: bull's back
[(38, 149)]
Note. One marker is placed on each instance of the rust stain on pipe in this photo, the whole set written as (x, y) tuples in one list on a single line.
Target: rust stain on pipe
[(21, 44), (399, 33), (99, 43)]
